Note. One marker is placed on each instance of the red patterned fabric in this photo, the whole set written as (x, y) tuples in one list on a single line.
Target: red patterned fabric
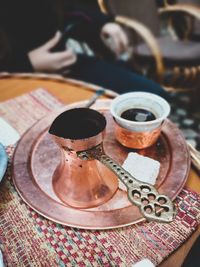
[(28, 239)]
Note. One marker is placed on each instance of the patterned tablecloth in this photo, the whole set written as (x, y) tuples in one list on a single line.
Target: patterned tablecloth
[(28, 239)]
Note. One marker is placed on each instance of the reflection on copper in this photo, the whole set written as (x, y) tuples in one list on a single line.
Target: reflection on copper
[(83, 128), (37, 156), (137, 140), (83, 184), (77, 182)]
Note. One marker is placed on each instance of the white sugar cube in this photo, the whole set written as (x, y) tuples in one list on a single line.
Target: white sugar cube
[(142, 168)]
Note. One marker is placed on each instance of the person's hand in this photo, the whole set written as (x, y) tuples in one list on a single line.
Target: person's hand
[(43, 60), (115, 38)]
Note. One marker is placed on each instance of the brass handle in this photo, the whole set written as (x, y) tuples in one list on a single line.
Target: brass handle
[(153, 206)]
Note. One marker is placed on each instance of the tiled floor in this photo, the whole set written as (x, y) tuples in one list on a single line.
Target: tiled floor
[(186, 120)]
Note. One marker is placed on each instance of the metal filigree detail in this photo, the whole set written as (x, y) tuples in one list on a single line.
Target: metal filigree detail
[(154, 206)]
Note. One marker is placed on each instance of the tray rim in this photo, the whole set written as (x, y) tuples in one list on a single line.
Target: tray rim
[(55, 113)]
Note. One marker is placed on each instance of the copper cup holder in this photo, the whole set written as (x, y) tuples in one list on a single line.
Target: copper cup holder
[(136, 140), (93, 174)]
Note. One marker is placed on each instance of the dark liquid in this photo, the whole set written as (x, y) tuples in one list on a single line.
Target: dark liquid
[(138, 114), (78, 123)]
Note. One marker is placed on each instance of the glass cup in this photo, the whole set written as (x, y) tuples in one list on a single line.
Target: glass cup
[(138, 117)]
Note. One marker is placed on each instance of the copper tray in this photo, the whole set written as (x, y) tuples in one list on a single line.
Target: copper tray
[(37, 156)]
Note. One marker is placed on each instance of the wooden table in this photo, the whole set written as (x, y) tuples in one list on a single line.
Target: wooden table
[(70, 91)]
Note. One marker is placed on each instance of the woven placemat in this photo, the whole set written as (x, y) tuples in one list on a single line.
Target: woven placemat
[(28, 239)]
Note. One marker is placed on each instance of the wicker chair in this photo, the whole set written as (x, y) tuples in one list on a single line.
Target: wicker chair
[(172, 61), (185, 24)]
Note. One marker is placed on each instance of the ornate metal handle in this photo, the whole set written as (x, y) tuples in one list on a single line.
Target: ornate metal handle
[(152, 205)]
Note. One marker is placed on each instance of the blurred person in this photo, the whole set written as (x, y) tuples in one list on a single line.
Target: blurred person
[(30, 41)]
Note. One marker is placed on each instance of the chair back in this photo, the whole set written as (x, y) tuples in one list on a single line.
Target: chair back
[(196, 24), (193, 2), (144, 11)]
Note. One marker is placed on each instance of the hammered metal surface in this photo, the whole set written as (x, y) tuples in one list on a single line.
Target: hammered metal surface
[(37, 156)]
